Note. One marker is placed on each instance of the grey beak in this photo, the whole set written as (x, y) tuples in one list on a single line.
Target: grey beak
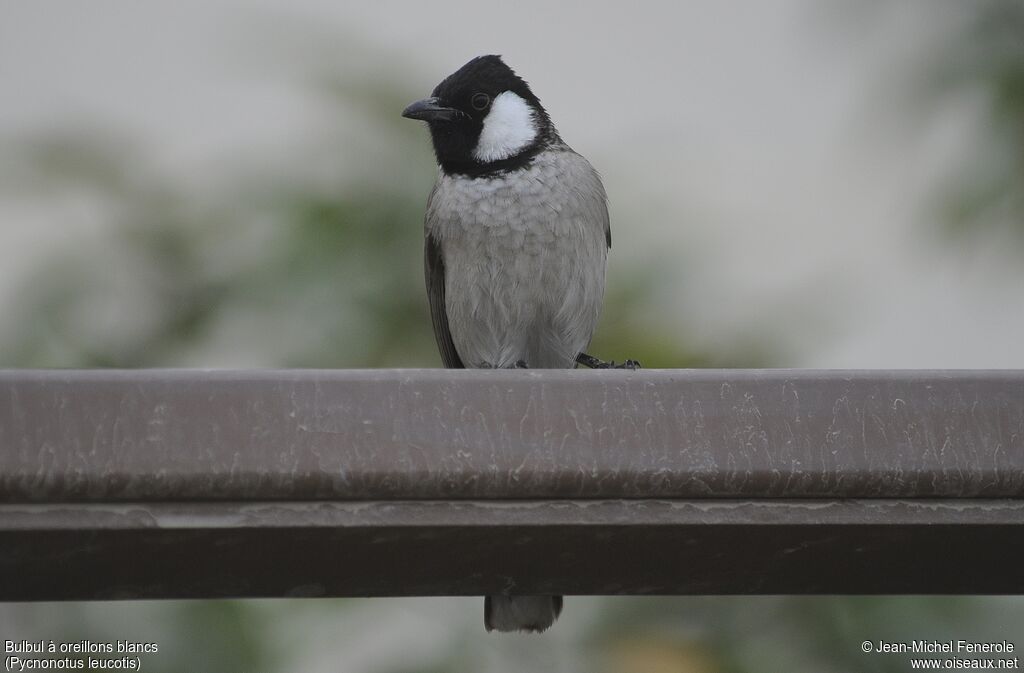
[(429, 110)]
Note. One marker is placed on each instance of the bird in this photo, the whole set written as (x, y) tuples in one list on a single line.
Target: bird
[(516, 240)]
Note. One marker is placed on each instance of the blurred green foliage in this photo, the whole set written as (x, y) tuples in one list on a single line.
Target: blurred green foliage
[(984, 57)]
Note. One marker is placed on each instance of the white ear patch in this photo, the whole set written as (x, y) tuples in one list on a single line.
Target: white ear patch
[(508, 128)]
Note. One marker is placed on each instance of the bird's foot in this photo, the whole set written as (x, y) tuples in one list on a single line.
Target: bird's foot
[(594, 363)]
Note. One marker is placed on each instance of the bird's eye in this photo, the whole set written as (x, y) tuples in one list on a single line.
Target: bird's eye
[(480, 101)]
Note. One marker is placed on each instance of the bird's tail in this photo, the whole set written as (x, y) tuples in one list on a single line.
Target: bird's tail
[(521, 613)]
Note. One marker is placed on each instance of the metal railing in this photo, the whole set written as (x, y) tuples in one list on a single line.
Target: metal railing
[(186, 483)]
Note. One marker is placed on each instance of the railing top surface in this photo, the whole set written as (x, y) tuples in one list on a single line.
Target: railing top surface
[(159, 435)]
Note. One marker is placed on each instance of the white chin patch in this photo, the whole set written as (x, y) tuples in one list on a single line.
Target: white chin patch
[(508, 128)]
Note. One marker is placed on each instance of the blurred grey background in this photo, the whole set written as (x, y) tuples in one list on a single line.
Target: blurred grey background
[(793, 183)]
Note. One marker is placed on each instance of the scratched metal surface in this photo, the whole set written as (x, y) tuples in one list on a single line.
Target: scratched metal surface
[(435, 434)]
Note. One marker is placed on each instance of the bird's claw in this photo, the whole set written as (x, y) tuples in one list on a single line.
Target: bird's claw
[(594, 363)]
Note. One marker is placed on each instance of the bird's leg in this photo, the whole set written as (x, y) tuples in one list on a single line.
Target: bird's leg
[(593, 363)]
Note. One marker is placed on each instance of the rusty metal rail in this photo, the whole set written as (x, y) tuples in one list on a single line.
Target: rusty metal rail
[(185, 483)]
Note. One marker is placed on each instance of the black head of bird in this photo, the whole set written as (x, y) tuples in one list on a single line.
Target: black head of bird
[(484, 118)]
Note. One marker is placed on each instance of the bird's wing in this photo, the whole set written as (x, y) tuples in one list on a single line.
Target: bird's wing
[(434, 268), (591, 182), (602, 210)]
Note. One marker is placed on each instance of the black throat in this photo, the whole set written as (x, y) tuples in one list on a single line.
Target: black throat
[(474, 169)]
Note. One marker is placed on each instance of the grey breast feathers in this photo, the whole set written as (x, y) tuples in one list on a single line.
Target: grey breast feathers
[(515, 262)]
